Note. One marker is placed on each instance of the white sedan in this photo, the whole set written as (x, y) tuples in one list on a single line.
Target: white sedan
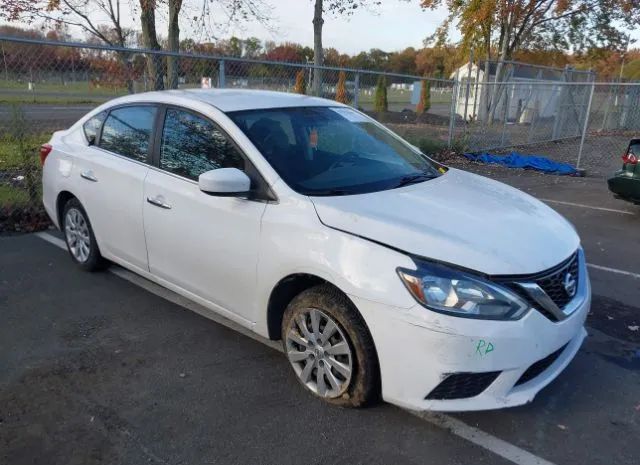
[(382, 272)]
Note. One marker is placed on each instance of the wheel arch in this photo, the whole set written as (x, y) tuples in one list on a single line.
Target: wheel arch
[(286, 290), (61, 200)]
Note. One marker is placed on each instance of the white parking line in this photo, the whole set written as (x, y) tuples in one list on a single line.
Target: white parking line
[(476, 436), (592, 207), (614, 270), (52, 239)]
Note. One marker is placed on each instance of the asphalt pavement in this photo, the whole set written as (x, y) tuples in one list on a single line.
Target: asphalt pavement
[(95, 368), (45, 117)]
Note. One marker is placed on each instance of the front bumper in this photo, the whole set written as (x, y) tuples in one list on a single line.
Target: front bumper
[(418, 349)]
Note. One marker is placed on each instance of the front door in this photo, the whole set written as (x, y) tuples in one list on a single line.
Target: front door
[(203, 244)]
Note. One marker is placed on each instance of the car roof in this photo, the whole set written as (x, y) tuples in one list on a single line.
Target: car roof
[(228, 100)]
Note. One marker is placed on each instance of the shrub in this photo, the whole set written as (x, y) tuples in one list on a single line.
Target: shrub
[(381, 105), (428, 146), (27, 154), (425, 98), (341, 88), (301, 84)]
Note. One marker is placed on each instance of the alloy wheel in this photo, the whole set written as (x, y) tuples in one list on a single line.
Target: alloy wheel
[(319, 353), (76, 231)]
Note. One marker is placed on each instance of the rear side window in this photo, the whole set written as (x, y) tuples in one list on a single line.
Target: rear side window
[(192, 145), (92, 127), (127, 131)]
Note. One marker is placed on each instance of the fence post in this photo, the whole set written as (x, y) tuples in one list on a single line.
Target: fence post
[(468, 87), (221, 76), (356, 90), (585, 125), (452, 111), (505, 115)]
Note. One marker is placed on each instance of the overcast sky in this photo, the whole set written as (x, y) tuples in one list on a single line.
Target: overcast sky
[(393, 26)]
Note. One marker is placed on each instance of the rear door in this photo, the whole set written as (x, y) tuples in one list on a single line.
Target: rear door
[(203, 244), (111, 177)]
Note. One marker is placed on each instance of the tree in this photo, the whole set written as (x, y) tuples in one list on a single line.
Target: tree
[(336, 7), (403, 62), (508, 25), (301, 84), (288, 51), (505, 26), (173, 43), (150, 39), (425, 98), (252, 47), (82, 14), (438, 61), (380, 102), (341, 88), (75, 13)]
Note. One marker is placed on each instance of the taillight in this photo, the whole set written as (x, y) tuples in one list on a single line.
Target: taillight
[(629, 158), (45, 150)]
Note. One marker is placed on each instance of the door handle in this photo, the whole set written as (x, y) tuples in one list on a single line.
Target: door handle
[(89, 176), (158, 202)]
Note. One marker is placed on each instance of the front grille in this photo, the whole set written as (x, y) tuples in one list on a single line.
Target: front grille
[(550, 281), (463, 385), (540, 366), (553, 284)]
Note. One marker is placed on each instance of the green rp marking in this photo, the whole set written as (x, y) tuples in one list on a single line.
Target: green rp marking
[(483, 347)]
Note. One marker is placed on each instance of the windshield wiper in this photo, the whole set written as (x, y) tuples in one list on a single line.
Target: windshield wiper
[(415, 178), (328, 192)]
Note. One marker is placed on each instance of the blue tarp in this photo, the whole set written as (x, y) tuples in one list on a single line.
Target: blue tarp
[(519, 160)]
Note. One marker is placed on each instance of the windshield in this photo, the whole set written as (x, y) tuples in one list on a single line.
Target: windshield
[(333, 150)]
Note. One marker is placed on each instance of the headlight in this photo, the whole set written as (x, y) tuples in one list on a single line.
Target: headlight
[(458, 293)]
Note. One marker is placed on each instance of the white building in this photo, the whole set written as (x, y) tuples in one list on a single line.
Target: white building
[(530, 91)]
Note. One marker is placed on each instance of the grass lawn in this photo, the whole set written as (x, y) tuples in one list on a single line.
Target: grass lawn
[(45, 100), (56, 92), (13, 196), (10, 156), (403, 96), (74, 87)]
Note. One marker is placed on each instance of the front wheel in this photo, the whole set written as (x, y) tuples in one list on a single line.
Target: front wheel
[(329, 347), (79, 237)]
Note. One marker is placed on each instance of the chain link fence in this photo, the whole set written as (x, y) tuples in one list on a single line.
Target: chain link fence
[(47, 86), (584, 124)]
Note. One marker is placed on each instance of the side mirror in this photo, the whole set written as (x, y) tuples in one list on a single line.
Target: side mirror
[(224, 182)]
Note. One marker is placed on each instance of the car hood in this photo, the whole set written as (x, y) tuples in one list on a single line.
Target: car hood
[(459, 218)]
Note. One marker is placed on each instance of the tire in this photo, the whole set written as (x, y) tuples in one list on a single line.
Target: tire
[(79, 237), (309, 357)]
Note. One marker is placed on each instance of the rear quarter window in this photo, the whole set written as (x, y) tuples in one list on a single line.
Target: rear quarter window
[(127, 131), (92, 126)]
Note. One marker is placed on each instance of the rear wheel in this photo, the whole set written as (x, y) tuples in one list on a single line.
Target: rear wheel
[(329, 347), (79, 237)]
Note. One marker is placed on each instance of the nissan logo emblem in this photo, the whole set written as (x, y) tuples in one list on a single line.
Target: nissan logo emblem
[(570, 284)]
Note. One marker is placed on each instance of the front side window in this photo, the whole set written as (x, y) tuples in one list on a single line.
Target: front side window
[(92, 126), (333, 151), (127, 131), (192, 145)]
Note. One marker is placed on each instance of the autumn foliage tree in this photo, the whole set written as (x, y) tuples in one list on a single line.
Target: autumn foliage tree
[(341, 88), (99, 19), (425, 98), (301, 84), (505, 26)]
